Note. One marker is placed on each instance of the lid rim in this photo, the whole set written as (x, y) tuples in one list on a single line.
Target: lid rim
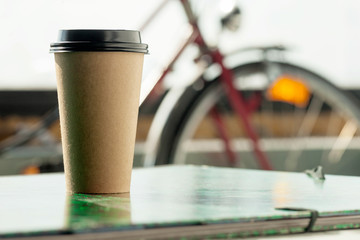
[(99, 40), (58, 50), (55, 44)]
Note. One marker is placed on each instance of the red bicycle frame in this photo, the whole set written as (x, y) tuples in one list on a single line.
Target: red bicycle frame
[(242, 107)]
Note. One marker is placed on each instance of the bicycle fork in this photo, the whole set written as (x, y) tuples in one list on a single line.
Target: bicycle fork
[(237, 102)]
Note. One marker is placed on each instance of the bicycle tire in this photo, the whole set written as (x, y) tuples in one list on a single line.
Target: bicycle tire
[(333, 100)]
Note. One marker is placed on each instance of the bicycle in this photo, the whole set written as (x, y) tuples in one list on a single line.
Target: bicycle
[(263, 94), (258, 92)]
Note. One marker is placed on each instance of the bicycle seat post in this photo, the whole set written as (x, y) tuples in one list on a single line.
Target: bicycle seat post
[(188, 10), (192, 19)]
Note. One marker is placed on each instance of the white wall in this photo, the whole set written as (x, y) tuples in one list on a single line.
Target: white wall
[(324, 34)]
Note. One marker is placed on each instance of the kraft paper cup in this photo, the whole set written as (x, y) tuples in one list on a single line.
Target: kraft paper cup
[(98, 80)]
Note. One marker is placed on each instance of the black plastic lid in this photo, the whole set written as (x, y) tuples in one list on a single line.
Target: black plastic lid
[(99, 41)]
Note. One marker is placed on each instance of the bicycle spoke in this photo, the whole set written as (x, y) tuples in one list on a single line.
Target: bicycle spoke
[(330, 132), (267, 114), (342, 142), (305, 129), (220, 127)]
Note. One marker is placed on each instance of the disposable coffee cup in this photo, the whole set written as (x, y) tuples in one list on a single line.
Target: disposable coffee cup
[(98, 81)]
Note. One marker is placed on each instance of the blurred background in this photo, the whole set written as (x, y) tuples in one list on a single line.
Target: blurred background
[(322, 36)]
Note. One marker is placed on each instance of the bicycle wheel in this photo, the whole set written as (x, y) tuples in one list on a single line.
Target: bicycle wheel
[(301, 119)]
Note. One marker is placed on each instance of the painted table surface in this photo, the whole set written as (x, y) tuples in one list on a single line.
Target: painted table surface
[(171, 196)]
